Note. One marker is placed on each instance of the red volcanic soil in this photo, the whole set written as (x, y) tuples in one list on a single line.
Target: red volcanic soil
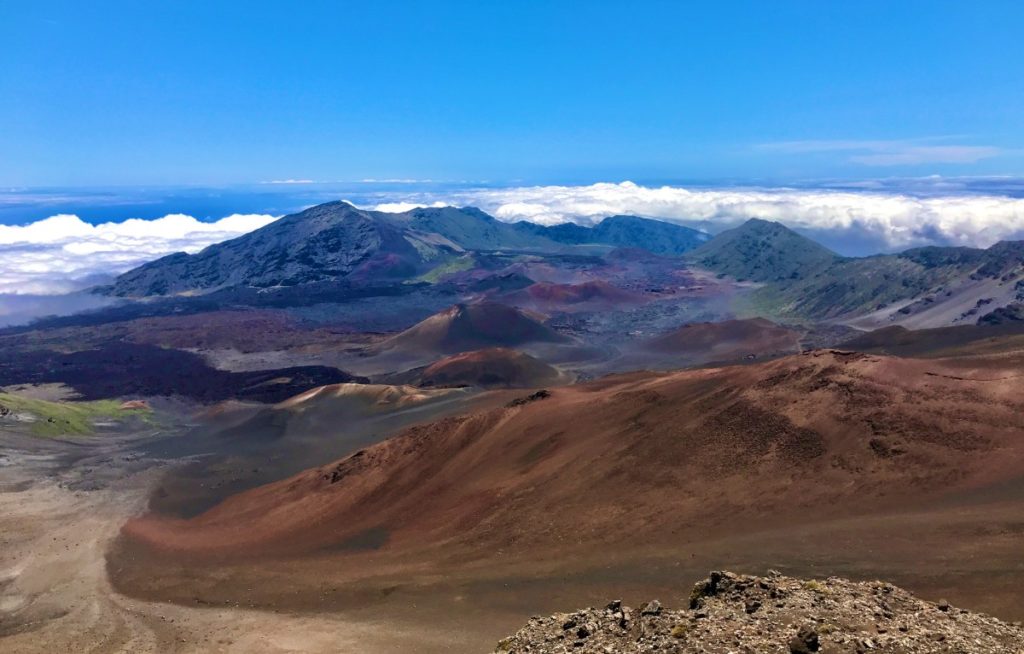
[(492, 368), (575, 293), (940, 341), (641, 458), (385, 265), (466, 327), (567, 297), (727, 340)]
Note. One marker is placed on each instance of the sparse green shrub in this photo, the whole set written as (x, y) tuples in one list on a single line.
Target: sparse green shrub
[(680, 630), (67, 418), (815, 586)]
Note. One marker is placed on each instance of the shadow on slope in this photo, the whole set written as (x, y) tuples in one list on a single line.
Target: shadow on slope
[(236, 447), (609, 457)]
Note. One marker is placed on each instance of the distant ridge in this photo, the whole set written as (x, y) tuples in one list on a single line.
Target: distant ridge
[(337, 241), (762, 251), (329, 241), (919, 288), (338, 246), (657, 236)]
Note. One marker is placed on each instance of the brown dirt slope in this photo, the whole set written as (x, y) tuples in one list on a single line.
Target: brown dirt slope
[(654, 457), (728, 340), (941, 341), (491, 368), (590, 296)]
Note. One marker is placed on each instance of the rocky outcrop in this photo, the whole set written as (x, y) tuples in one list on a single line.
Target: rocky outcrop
[(774, 614)]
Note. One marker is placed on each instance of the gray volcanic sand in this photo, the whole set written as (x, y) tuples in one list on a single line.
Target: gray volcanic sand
[(55, 595)]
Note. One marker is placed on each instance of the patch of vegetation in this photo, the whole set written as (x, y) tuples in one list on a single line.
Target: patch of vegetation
[(815, 586), (449, 267), (764, 302), (680, 630), (697, 595), (67, 418)]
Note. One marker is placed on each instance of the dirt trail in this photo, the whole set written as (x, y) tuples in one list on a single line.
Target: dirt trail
[(55, 595)]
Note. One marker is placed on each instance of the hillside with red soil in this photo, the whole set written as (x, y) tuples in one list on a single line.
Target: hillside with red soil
[(657, 457), (491, 368), (465, 327), (940, 341), (588, 296), (727, 340)]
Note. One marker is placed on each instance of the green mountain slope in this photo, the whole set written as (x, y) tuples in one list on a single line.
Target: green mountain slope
[(763, 251), (921, 287), (657, 236)]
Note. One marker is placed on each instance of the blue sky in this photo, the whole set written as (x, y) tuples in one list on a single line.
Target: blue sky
[(213, 93)]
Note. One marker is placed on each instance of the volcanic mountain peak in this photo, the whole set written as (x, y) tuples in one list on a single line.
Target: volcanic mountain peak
[(763, 251), (464, 327), (326, 242), (337, 241), (471, 228), (657, 236)]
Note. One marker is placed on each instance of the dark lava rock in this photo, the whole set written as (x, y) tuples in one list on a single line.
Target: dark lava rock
[(532, 397), (651, 608), (804, 642)]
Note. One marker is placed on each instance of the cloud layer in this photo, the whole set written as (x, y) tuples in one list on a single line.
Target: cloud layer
[(875, 221), (63, 253)]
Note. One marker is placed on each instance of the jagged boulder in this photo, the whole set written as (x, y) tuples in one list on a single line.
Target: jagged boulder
[(774, 614)]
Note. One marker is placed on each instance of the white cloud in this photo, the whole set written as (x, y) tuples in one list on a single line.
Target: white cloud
[(63, 252), (402, 207), (396, 180), (18, 309), (884, 220)]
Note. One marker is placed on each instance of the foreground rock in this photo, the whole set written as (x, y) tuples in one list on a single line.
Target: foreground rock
[(774, 614)]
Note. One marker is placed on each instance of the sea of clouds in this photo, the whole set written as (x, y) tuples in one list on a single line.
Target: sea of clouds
[(63, 253), (852, 222)]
